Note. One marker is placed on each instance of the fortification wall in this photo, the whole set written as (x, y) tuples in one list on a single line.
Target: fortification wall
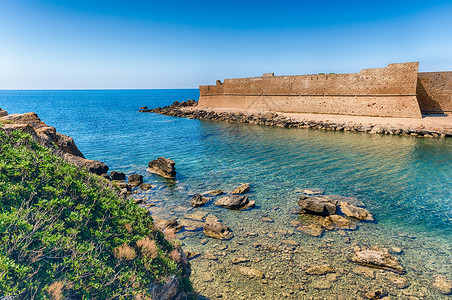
[(388, 92), (434, 91)]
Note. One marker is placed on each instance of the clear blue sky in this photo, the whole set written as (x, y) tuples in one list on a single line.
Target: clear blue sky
[(182, 44)]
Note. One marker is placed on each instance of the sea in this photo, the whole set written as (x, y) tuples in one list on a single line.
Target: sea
[(405, 182)]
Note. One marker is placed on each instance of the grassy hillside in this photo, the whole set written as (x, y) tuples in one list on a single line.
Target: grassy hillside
[(65, 232)]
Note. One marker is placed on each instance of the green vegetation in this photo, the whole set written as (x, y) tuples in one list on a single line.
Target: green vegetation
[(65, 232)]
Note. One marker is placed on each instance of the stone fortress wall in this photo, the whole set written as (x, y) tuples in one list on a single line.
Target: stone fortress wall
[(394, 91)]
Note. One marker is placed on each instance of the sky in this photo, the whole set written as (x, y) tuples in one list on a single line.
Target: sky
[(78, 44)]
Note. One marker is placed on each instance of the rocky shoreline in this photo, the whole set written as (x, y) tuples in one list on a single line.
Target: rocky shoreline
[(187, 109)]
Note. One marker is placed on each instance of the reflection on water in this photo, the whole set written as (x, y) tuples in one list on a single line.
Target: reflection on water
[(404, 182)]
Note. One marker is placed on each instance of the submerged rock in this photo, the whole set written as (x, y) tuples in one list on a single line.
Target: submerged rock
[(241, 189), (355, 212), (377, 258), (319, 270), (443, 284), (198, 200), (312, 192), (235, 202), (250, 272), (311, 229), (341, 222), (162, 166), (318, 205), (376, 294), (217, 230), (135, 179)]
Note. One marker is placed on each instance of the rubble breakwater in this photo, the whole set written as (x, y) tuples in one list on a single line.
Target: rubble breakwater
[(188, 109)]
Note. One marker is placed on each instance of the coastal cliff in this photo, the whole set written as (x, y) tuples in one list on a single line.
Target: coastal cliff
[(67, 233)]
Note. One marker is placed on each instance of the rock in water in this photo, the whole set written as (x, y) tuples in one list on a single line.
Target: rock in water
[(162, 166), (135, 179), (250, 272), (217, 230), (443, 284), (319, 270), (377, 258), (355, 212), (198, 200), (235, 202), (214, 192), (241, 189), (117, 175), (145, 186), (318, 205)]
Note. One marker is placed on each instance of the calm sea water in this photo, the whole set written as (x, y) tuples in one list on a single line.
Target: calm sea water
[(405, 182)]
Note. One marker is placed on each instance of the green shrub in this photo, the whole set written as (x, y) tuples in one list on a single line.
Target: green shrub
[(62, 231)]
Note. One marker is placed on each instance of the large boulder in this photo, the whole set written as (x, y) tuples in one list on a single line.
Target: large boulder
[(217, 230), (318, 205), (235, 202), (169, 290), (355, 212), (135, 179), (377, 258), (93, 166), (162, 166)]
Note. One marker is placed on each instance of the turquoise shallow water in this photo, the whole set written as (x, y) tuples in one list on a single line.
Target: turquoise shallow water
[(405, 182)]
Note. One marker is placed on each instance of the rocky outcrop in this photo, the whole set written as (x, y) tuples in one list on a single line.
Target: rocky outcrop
[(242, 189), (217, 230), (377, 258), (62, 145), (198, 200), (235, 202), (93, 166), (318, 205), (162, 166)]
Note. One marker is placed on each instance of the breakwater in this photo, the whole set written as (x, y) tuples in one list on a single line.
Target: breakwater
[(189, 109)]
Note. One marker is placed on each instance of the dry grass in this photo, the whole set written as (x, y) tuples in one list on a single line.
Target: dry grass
[(56, 290), (125, 252), (170, 234), (128, 227), (176, 256), (148, 247)]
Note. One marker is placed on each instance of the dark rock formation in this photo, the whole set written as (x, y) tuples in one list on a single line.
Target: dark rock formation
[(170, 290), (217, 230), (162, 166), (117, 176), (135, 180), (318, 205), (235, 202), (198, 200)]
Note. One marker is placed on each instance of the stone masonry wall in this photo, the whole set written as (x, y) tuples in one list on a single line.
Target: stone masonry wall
[(434, 92), (388, 92)]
